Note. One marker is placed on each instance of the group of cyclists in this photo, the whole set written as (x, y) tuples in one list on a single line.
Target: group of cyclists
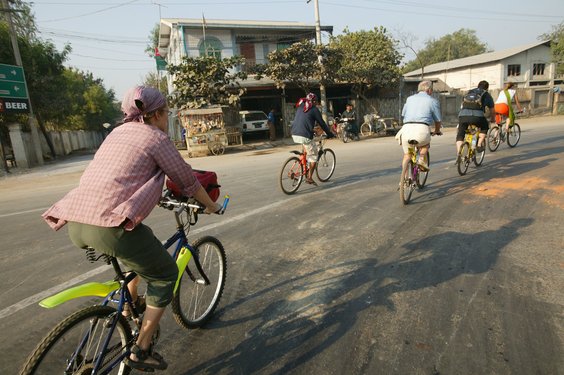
[(123, 183), (420, 113)]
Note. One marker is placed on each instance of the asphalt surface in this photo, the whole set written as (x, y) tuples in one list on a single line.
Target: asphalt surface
[(340, 278)]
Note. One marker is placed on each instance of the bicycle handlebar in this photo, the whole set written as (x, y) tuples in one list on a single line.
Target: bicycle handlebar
[(169, 202)]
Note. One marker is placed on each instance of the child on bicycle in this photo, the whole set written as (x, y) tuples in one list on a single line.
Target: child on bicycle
[(117, 191), (307, 115)]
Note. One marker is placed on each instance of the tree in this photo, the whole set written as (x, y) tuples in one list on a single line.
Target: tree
[(368, 59), (153, 41), (461, 43), (556, 37), (300, 66), (205, 80), (152, 79)]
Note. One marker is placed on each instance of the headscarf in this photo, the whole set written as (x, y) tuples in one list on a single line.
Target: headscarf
[(308, 101), (140, 101)]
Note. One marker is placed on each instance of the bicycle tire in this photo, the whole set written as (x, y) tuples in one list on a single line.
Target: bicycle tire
[(406, 186), (365, 130), (325, 166), (194, 302), (493, 138), (346, 138), (291, 175), (513, 135), (46, 359), (463, 159), (478, 157), (421, 177)]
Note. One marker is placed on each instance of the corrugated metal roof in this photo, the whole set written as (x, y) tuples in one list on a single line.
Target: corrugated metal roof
[(483, 58), (230, 24)]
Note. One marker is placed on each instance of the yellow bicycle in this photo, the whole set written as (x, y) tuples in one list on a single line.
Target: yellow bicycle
[(468, 151)]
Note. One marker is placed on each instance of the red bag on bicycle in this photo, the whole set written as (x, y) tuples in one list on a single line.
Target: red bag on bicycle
[(208, 180)]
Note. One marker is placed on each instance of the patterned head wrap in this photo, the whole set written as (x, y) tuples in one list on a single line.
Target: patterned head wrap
[(140, 101), (309, 100)]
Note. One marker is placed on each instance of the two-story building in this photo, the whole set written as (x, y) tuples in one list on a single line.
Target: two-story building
[(254, 40)]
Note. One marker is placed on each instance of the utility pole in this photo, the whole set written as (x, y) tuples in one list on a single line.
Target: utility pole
[(32, 122), (322, 91)]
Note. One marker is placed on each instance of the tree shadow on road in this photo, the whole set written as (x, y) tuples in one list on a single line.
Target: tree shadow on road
[(288, 329)]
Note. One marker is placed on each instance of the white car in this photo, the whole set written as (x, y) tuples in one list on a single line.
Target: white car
[(253, 121)]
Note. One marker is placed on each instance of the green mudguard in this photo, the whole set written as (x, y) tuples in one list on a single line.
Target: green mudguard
[(84, 290)]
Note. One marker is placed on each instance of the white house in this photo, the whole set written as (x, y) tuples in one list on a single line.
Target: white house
[(529, 65)]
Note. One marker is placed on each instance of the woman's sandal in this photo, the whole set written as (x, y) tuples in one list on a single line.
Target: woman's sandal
[(142, 356)]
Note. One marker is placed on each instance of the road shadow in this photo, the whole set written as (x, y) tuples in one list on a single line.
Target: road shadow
[(317, 309)]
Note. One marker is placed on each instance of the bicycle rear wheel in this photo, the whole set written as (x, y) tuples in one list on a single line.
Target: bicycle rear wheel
[(463, 159), (75, 344), (513, 135), (195, 301), (325, 166), (291, 175), (493, 138), (479, 156), (406, 183), (421, 177)]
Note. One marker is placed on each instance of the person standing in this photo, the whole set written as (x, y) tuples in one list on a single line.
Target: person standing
[(420, 112), (272, 124), (117, 191)]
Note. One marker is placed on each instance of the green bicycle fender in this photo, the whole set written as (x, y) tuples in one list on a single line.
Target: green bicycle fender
[(84, 290), (181, 262)]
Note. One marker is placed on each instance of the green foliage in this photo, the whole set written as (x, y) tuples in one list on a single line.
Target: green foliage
[(205, 80), (23, 19), (556, 37), (299, 65), (368, 58), (153, 41), (152, 80), (61, 98), (461, 43)]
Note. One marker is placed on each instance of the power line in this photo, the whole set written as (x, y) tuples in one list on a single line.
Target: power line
[(91, 13)]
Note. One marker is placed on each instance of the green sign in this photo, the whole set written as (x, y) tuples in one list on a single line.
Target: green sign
[(161, 63), (11, 73), (12, 90), (12, 82)]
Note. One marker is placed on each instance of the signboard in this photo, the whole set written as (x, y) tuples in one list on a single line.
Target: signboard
[(13, 105), (13, 90)]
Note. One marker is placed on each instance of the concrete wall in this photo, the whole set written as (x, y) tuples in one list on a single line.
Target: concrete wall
[(63, 142)]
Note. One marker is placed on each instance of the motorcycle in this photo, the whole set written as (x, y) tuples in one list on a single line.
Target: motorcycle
[(343, 128)]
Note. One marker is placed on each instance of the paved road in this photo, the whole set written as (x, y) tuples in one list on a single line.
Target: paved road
[(340, 279)]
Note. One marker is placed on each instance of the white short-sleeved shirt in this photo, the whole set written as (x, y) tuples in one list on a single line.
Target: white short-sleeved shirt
[(501, 98)]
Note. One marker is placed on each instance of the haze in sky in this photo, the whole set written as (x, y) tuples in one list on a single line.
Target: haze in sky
[(108, 38)]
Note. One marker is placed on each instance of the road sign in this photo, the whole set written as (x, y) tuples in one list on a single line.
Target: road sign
[(12, 89), (12, 82), (12, 73)]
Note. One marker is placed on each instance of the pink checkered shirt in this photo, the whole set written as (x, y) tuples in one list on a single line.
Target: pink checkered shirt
[(124, 181)]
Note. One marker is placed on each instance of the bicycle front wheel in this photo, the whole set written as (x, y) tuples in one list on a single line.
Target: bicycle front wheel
[(421, 177), (75, 344), (195, 300), (365, 130), (326, 165), (291, 175), (493, 138), (463, 159), (514, 135), (406, 184)]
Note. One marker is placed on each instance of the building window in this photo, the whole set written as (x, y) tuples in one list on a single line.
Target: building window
[(538, 69), (513, 70), (282, 46), (211, 47)]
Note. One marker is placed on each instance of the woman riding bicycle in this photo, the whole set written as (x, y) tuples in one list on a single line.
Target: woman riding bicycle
[(117, 191), (307, 115), (503, 104)]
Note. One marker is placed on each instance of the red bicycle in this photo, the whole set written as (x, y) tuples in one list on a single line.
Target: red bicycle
[(296, 168)]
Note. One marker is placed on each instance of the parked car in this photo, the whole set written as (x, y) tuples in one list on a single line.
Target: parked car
[(253, 121)]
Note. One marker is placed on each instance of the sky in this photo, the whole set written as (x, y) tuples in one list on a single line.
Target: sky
[(108, 38)]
